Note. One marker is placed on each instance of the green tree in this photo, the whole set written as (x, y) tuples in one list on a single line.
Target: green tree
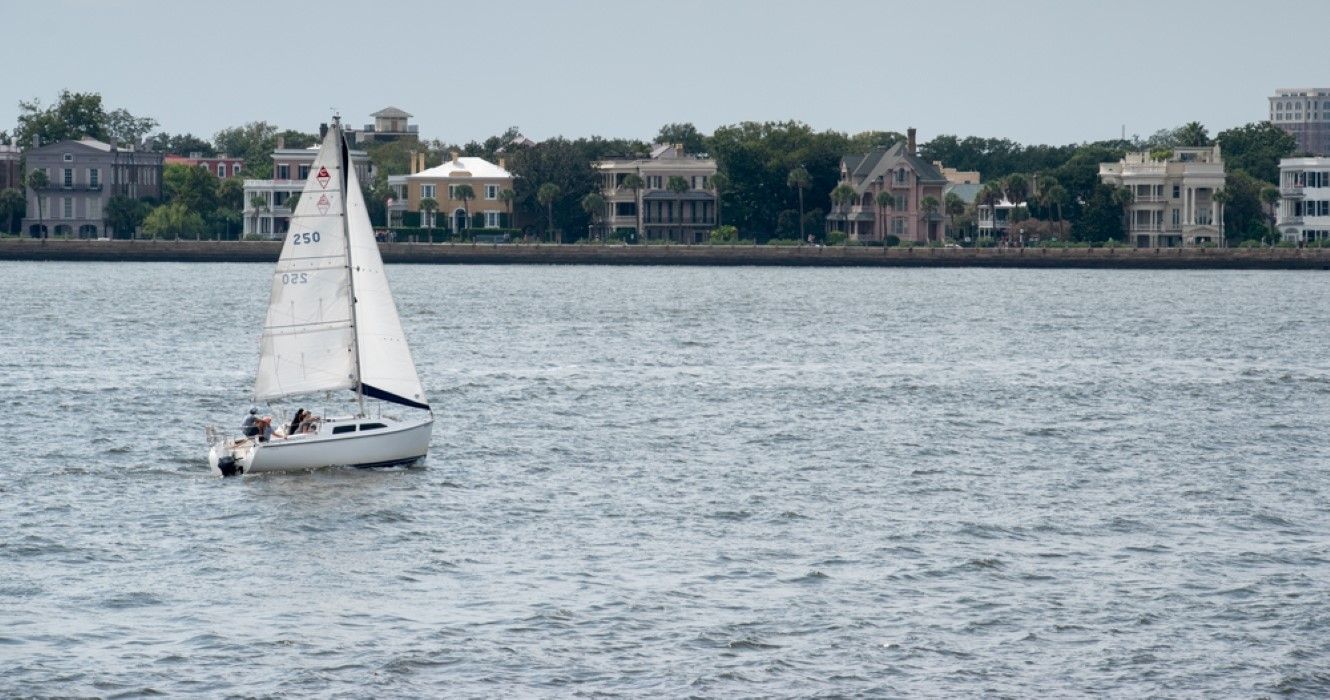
[(1123, 197), (1256, 148), (12, 206), (257, 204), (173, 221), (231, 193), (594, 205), (293, 201), (38, 182), (843, 197), (1054, 197), (1017, 188), (930, 207), (427, 206), (254, 142), (719, 183), (191, 186), (181, 144), (954, 207), (123, 127), (124, 214), (507, 196), (634, 183), (799, 179), (1270, 196), (885, 200), (1193, 134), (546, 195), (464, 193), (1101, 219), (685, 135)]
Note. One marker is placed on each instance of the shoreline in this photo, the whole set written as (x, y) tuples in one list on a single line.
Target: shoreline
[(704, 255)]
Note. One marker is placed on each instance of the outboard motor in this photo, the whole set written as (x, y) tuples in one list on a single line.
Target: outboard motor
[(227, 465)]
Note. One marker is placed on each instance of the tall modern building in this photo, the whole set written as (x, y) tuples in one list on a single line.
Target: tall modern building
[(1305, 114), (1173, 197), (1304, 204)]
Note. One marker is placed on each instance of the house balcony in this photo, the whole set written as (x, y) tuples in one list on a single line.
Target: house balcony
[(1291, 192), (1289, 221), (678, 221), (76, 187), (1145, 228), (1149, 199)]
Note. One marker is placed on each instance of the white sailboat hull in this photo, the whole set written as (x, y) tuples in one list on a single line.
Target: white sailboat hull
[(396, 442)]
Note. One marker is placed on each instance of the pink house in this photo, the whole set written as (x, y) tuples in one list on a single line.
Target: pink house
[(222, 166), (910, 182)]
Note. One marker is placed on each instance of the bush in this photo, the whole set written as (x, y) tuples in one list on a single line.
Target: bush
[(837, 238), (891, 241), (724, 234)]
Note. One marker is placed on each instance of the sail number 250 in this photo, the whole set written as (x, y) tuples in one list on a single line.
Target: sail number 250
[(305, 238)]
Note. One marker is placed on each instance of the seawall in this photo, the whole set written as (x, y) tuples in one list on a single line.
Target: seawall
[(806, 256)]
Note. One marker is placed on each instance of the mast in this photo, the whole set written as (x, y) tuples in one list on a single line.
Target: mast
[(344, 160)]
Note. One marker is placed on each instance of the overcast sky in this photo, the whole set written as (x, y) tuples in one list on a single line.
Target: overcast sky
[(1036, 71)]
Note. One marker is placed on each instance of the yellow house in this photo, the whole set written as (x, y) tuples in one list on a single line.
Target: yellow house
[(441, 183)]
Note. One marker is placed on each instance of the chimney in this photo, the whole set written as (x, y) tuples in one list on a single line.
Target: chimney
[(455, 155), (281, 140), (503, 163), (909, 140), (420, 157)]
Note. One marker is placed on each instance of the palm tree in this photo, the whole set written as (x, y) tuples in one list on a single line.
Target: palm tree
[(1193, 134), (989, 197), (38, 181), (594, 205), (1018, 188), (1221, 196), (634, 182), (1270, 195), (799, 179), (429, 205), (546, 195), (930, 206), (885, 200), (1123, 196), (464, 194), (719, 183), (508, 196), (258, 203), (954, 206), (677, 186), (842, 196)]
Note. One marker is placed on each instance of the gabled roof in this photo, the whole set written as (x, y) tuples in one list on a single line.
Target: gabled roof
[(391, 113), (462, 167), (862, 167)]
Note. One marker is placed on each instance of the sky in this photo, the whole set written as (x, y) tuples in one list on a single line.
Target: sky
[(1035, 71)]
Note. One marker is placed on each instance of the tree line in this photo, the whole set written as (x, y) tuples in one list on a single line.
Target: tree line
[(775, 180)]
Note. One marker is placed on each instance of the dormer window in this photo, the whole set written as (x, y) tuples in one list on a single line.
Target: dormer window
[(69, 157)]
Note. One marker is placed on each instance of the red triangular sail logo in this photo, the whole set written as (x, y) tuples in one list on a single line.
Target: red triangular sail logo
[(323, 204), (323, 177)]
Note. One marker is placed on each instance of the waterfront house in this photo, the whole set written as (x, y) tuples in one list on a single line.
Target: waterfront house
[(685, 214), (1172, 196), (82, 176), (908, 179), (1305, 114), (995, 220), (272, 217), (223, 166), (485, 209), (1304, 200)]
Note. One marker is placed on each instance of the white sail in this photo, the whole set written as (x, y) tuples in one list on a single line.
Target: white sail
[(386, 369), (307, 342)]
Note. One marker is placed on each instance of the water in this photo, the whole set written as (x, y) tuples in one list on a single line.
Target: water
[(685, 482)]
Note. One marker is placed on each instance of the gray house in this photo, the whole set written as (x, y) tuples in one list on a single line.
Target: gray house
[(82, 176)]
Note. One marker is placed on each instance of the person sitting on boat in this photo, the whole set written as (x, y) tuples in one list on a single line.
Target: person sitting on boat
[(310, 424), (298, 422), (265, 428), (250, 427)]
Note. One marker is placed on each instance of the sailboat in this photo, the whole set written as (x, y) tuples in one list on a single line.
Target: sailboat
[(331, 325)]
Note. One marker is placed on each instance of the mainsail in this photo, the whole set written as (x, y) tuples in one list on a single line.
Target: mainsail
[(313, 340)]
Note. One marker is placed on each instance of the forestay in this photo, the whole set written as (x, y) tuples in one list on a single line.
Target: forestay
[(386, 369), (307, 342)]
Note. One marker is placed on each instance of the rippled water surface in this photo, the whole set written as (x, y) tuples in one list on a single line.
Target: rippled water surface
[(685, 481)]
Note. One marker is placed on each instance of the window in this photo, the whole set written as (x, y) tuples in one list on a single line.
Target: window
[(428, 191), (900, 175), (221, 170), (340, 429), (235, 169), (491, 191), (68, 211), (654, 182), (1177, 191), (372, 426), (68, 179), (68, 157), (283, 172), (94, 207), (898, 227), (1177, 218), (491, 219), (902, 201), (94, 177), (304, 172), (625, 208)]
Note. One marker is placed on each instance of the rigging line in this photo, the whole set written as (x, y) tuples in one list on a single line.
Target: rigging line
[(293, 328)]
